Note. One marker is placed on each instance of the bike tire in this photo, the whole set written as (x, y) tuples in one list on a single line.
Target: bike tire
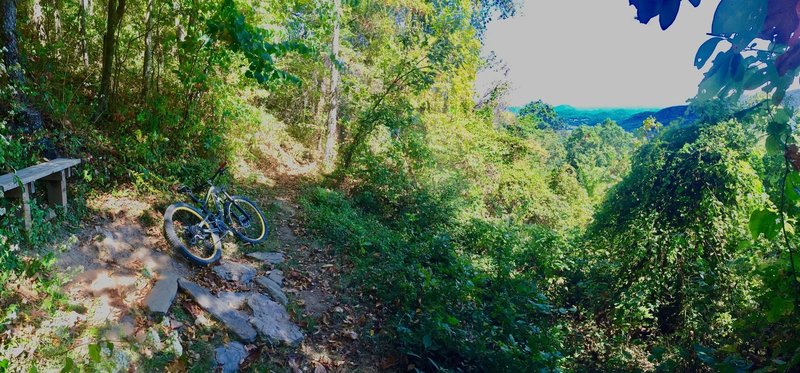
[(177, 243), (262, 231)]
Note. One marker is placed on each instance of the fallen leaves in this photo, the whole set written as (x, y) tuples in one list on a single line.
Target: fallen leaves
[(253, 355), (389, 362), (292, 361), (350, 334)]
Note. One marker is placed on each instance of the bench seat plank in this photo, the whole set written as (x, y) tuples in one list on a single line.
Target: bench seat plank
[(33, 173)]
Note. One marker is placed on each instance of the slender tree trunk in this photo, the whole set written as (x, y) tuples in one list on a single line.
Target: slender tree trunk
[(57, 18), (56, 34), (333, 113), (29, 119), (116, 8), (37, 18), (180, 33), (84, 43), (158, 53), (147, 69), (321, 112)]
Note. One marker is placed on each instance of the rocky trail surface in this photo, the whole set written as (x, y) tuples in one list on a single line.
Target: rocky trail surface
[(272, 307)]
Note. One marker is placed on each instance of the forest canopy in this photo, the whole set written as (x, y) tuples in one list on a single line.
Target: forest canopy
[(465, 237)]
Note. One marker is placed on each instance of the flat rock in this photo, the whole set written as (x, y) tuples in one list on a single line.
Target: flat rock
[(267, 257), (237, 272), (277, 276), (273, 289), (273, 322), (229, 356), (233, 319), (162, 295), (233, 299)]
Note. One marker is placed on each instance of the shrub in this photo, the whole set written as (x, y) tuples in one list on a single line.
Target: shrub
[(447, 307), (668, 244)]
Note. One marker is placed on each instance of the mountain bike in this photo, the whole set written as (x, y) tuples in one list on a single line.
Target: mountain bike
[(197, 231)]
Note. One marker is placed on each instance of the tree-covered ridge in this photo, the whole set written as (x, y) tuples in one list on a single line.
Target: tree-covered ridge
[(475, 239)]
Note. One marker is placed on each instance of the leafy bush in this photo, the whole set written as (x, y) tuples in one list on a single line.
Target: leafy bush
[(670, 245), (494, 315)]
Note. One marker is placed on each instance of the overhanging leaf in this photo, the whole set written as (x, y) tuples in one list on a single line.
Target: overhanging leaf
[(764, 222), (778, 307), (646, 9), (737, 68), (739, 19), (781, 21), (669, 11), (705, 51), (788, 61), (774, 145), (778, 129)]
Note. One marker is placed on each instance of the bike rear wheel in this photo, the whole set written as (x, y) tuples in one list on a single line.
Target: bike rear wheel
[(246, 220), (187, 231)]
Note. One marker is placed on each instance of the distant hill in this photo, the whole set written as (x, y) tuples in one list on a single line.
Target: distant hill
[(590, 116), (628, 118), (664, 116), (631, 118)]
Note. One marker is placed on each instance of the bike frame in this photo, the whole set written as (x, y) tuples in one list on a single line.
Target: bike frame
[(216, 194)]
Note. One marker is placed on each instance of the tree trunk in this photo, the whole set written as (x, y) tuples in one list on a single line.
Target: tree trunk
[(333, 113), (57, 18), (56, 31), (147, 69), (321, 114), (158, 52), (180, 33), (116, 9), (37, 18), (84, 43), (29, 119)]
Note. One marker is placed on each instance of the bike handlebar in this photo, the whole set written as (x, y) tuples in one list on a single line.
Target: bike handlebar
[(222, 167)]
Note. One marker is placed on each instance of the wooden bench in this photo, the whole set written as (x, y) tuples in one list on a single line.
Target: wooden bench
[(20, 185)]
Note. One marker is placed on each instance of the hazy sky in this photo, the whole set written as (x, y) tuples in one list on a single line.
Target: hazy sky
[(593, 53)]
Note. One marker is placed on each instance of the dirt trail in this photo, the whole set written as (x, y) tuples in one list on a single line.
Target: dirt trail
[(313, 278), (113, 266), (121, 254)]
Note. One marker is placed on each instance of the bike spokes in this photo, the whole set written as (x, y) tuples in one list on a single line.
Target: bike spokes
[(194, 233), (245, 219)]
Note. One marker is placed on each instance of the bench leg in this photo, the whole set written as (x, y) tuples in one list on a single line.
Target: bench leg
[(24, 195), (57, 190)]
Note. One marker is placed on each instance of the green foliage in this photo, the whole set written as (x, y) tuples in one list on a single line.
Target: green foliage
[(491, 318), (21, 263), (485, 241), (600, 155), (763, 27), (229, 26), (538, 114), (672, 255)]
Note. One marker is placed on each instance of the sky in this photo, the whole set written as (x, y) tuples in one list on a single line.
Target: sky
[(593, 53)]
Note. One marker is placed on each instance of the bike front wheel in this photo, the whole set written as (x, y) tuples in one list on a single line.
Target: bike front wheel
[(191, 234), (246, 220)]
